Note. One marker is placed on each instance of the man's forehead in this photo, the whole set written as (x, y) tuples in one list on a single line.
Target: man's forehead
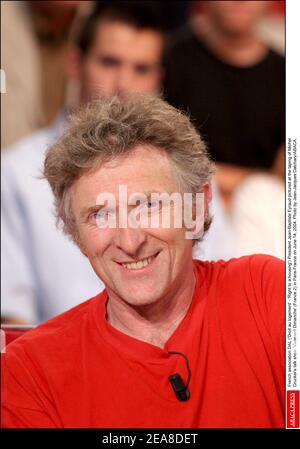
[(143, 169), (148, 166), (141, 154), (124, 39)]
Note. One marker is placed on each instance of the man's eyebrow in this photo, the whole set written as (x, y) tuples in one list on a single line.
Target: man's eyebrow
[(88, 210), (109, 58), (144, 65), (146, 194), (151, 192)]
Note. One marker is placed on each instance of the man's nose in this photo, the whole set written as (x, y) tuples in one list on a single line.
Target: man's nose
[(130, 240), (124, 81)]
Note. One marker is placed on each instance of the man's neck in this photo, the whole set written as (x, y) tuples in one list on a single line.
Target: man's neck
[(156, 322), (241, 50)]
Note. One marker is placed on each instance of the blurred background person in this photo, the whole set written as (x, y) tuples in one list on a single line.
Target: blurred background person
[(233, 85), (34, 40), (21, 105), (119, 49)]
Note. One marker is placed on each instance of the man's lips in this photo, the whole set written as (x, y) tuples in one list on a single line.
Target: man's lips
[(140, 264)]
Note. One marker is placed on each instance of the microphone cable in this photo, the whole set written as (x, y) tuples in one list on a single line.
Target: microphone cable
[(180, 389)]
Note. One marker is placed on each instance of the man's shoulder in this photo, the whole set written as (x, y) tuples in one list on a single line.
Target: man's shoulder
[(245, 289), (61, 330), (255, 262), (274, 68), (241, 267), (276, 58)]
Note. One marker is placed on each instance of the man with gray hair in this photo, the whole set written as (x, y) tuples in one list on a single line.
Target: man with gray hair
[(170, 341)]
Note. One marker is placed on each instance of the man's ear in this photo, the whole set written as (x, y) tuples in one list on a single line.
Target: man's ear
[(73, 63), (207, 191), (207, 196), (206, 188)]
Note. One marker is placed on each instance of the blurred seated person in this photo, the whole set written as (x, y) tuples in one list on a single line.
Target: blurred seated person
[(119, 50), (33, 60), (233, 86)]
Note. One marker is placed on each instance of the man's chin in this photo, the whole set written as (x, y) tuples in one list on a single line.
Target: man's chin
[(139, 298)]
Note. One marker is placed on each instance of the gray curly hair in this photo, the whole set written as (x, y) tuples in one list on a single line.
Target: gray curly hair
[(112, 127)]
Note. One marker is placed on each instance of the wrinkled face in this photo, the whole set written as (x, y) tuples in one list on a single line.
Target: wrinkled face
[(122, 60), (166, 253), (235, 17)]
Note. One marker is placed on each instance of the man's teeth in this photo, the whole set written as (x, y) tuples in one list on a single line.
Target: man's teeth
[(140, 264)]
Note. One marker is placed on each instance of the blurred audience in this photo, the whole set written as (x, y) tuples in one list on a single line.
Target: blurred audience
[(34, 40), (119, 49), (233, 85), (21, 105)]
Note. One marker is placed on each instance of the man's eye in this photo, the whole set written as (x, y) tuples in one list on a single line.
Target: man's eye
[(99, 215), (108, 61), (142, 69), (151, 205)]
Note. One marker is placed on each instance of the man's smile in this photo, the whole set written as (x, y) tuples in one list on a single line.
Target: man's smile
[(140, 263)]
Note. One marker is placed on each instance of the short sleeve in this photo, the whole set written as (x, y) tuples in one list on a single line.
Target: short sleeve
[(268, 279), (24, 404)]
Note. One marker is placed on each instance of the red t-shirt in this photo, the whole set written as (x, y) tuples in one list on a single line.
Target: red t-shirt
[(76, 370)]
